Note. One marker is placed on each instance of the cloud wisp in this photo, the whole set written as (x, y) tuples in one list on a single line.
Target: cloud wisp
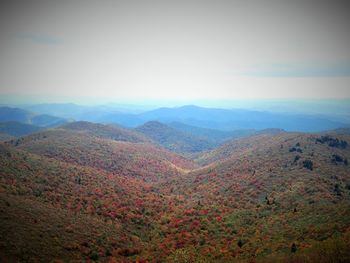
[(289, 70), (40, 39)]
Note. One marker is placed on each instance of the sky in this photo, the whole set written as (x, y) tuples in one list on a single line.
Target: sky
[(175, 50)]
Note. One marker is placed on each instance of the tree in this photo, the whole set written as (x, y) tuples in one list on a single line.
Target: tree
[(308, 164)]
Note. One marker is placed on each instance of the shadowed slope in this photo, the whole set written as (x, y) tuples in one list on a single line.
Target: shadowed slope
[(173, 139)]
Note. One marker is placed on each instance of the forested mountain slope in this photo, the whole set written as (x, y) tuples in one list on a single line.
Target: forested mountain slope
[(173, 139), (126, 158), (106, 131), (282, 196), (67, 211)]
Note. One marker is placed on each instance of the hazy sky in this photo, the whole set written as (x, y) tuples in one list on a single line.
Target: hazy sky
[(175, 49)]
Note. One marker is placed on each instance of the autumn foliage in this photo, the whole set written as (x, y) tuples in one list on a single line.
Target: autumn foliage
[(88, 195)]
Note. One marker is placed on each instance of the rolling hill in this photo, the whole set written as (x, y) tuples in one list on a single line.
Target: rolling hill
[(106, 131), (102, 193), (74, 212), (78, 145), (260, 195)]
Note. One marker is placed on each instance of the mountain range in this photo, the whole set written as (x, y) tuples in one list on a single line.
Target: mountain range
[(209, 118), (9, 114), (95, 192)]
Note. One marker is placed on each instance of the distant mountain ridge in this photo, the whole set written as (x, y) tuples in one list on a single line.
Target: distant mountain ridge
[(216, 137), (15, 114), (8, 114), (228, 120), (16, 129), (208, 118)]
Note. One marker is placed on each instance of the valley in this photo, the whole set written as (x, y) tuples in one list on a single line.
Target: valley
[(105, 193), (166, 131)]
